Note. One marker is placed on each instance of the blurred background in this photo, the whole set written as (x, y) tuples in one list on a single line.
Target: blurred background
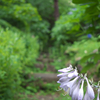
[(38, 37)]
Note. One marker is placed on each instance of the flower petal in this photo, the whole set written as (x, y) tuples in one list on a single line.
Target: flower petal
[(62, 74), (98, 94), (80, 95), (76, 91), (70, 83), (65, 88), (73, 74), (62, 79), (64, 70), (86, 97), (90, 90), (72, 89), (64, 83)]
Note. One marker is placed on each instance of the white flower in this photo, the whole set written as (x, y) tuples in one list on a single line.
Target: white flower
[(73, 74), (80, 95), (66, 75), (62, 75), (76, 91), (65, 88), (90, 90), (71, 83), (64, 70), (62, 79), (63, 84), (72, 89), (67, 84), (86, 97), (68, 72), (89, 93), (98, 94)]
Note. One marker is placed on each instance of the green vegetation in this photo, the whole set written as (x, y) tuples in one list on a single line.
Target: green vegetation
[(15, 55), (28, 30)]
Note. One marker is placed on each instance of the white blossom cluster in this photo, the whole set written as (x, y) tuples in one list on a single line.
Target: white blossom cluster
[(73, 83)]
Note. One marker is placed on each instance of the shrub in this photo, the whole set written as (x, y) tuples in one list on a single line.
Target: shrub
[(10, 64), (31, 50), (16, 52), (24, 17)]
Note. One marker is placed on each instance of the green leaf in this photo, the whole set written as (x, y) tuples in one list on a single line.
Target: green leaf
[(83, 1), (76, 20), (76, 27), (92, 9), (87, 67), (96, 58), (84, 59)]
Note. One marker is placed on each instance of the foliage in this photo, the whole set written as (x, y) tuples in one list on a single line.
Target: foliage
[(80, 52), (5, 25), (18, 15), (83, 48), (68, 26), (31, 52), (92, 19), (62, 97), (10, 64), (5, 2), (59, 56), (46, 8), (41, 30), (65, 6), (83, 52), (91, 16), (24, 17), (25, 28), (79, 21), (74, 26), (15, 54)]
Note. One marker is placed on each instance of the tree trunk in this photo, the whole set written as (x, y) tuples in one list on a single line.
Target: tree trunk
[(56, 11)]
